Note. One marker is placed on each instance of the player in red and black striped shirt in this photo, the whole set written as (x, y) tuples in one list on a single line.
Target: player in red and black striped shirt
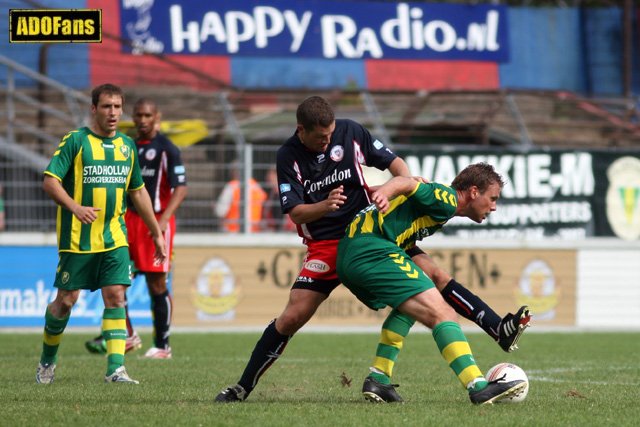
[(165, 180), (322, 188)]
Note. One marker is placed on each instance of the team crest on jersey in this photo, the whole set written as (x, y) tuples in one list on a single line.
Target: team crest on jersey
[(65, 277), (125, 150), (150, 154), (337, 153)]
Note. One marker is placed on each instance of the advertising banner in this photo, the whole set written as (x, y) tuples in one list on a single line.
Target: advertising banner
[(222, 287), (248, 287), (26, 288), (548, 193), (317, 29)]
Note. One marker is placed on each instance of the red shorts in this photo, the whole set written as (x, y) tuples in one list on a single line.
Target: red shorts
[(318, 271), (141, 247)]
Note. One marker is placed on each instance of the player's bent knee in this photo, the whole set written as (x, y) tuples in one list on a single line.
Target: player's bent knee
[(447, 314), (290, 321), (289, 325), (64, 302), (157, 283)]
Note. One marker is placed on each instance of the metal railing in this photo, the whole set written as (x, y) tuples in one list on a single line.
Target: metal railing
[(520, 118), (76, 102), (22, 162), (28, 208)]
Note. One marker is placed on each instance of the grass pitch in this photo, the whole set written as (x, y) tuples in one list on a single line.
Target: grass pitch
[(576, 379)]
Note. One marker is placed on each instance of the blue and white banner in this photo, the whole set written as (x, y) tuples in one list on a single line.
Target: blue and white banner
[(317, 29), (26, 288)]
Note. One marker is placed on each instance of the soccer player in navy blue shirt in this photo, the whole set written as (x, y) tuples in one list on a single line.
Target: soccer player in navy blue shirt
[(322, 188), (165, 178)]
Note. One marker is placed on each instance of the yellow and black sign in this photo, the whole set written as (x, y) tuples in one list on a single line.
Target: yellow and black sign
[(55, 25)]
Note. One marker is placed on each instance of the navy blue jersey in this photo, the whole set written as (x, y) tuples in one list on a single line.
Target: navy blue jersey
[(162, 170), (306, 177)]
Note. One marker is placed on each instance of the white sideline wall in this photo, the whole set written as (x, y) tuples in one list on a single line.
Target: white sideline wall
[(605, 272), (608, 287)]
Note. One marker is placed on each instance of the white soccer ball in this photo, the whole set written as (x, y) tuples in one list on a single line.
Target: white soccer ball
[(510, 372)]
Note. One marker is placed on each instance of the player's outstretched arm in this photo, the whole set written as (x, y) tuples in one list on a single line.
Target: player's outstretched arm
[(177, 196), (399, 167), (394, 187), (142, 202)]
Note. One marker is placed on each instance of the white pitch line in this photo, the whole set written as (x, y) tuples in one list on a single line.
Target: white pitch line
[(580, 369), (558, 380), (543, 375)]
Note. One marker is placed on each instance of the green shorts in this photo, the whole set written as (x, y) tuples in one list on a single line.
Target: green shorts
[(94, 270), (378, 272)]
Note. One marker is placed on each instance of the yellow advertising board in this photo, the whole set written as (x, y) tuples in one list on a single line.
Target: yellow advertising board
[(55, 25), (247, 287)]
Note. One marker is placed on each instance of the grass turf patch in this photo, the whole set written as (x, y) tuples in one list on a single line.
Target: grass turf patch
[(576, 379)]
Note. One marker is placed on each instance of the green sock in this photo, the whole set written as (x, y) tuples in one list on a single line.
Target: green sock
[(381, 378), (478, 384), (53, 329)]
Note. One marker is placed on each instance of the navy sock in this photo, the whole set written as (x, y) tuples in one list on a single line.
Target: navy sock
[(471, 307), (267, 350), (161, 309)]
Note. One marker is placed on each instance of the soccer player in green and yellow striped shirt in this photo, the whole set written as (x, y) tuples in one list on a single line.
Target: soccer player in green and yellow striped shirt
[(89, 177), (374, 265)]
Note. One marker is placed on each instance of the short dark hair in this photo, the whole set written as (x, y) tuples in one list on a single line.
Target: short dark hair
[(109, 89), (315, 111), (482, 175), (145, 101)]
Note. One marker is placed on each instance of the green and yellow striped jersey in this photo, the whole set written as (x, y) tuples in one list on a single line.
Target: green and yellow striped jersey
[(409, 218), (95, 171)]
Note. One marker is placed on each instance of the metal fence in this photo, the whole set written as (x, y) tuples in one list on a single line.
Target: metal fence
[(209, 168), (27, 207), (30, 129)]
